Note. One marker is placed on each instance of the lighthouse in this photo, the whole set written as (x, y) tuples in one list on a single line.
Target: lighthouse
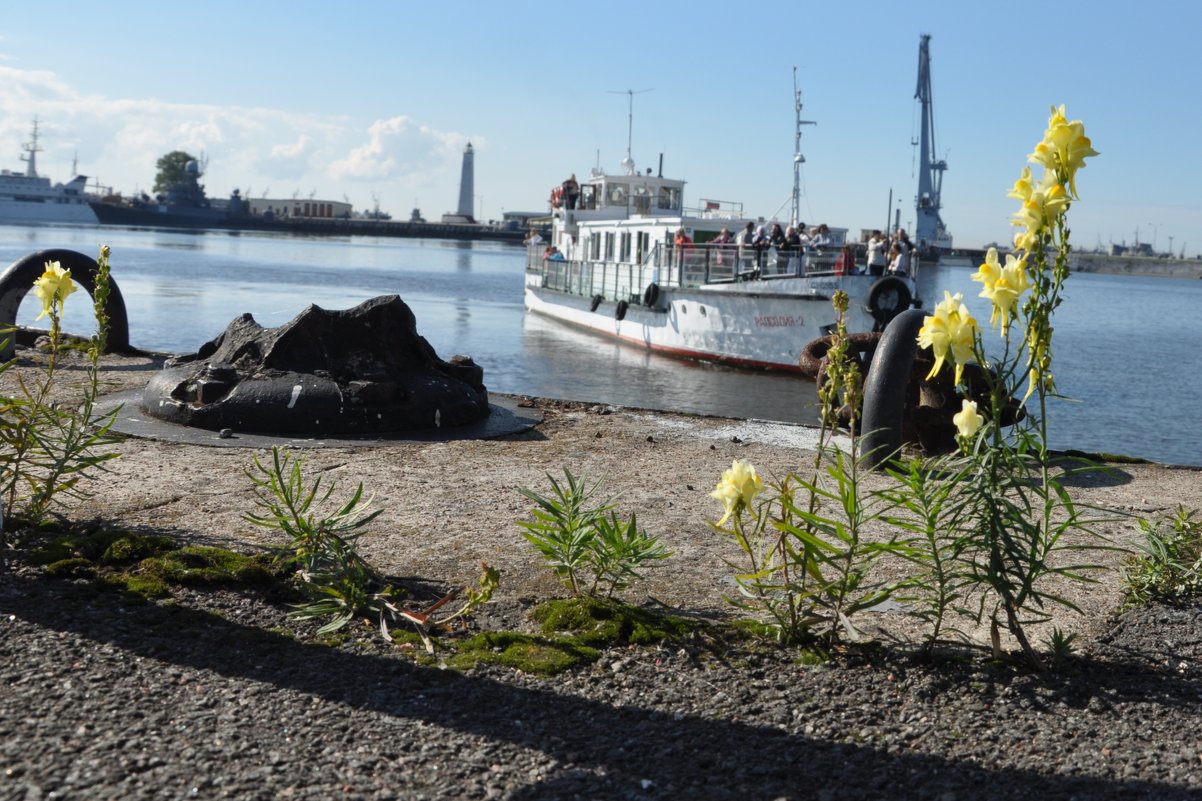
[(463, 214)]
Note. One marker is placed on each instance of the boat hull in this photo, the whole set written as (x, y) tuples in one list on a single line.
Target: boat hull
[(761, 328), (14, 211), (157, 216)]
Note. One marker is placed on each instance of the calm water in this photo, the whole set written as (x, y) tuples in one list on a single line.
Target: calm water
[(1124, 346)]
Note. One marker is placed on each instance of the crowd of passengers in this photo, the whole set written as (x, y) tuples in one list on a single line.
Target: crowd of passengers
[(754, 247)]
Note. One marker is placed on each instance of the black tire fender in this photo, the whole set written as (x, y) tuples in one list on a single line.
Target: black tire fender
[(651, 294), (17, 282), (620, 311), (595, 302), (885, 388), (880, 291)]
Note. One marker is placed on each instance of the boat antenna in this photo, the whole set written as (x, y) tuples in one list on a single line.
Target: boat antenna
[(798, 159), (628, 164)]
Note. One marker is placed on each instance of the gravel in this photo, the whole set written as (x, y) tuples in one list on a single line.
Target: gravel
[(217, 695)]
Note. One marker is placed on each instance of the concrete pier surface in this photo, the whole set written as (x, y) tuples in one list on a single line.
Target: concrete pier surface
[(450, 503), (217, 693)]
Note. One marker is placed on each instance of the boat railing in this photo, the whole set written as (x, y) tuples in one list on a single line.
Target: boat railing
[(681, 266)]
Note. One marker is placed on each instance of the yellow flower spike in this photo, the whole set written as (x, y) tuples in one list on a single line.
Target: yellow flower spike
[(951, 329), (55, 284), (967, 421), (1007, 285), (989, 272), (737, 488)]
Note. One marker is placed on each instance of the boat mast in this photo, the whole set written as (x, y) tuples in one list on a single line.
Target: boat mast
[(628, 163), (32, 149), (928, 226), (798, 159)]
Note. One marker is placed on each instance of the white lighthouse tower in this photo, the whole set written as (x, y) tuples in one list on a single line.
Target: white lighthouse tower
[(463, 214)]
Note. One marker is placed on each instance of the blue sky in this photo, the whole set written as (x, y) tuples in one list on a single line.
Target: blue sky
[(373, 99)]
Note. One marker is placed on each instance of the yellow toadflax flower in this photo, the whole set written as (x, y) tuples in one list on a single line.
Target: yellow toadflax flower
[(1023, 186), (1046, 201), (1064, 147), (54, 285), (737, 488), (967, 421), (950, 329), (1003, 285)]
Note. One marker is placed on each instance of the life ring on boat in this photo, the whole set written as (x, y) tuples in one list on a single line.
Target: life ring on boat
[(887, 298), (620, 311), (651, 294), (596, 301)]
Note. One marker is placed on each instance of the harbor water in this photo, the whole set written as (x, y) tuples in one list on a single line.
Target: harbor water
[(1124, 346)]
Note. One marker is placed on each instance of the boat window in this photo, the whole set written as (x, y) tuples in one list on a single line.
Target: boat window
[(616, 195), (624, 247), (669, 197), (588, 197), (642, 200), (594, 246), (609, 245)]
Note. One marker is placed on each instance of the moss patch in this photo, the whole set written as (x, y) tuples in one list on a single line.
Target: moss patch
[(205, 565), (525, 652), (603, 623), (101, 547), (147, 565)]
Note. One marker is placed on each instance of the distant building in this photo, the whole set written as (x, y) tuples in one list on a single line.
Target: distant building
[(295, 209)]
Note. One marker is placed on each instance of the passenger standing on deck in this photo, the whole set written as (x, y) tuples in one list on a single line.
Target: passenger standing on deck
[(720, 243), (899, 260), (792, 247), (571, 191), (684, 246), (877, 261), (776, 241), (746, 243), (902, 240)]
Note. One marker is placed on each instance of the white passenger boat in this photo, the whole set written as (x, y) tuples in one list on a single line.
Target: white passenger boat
[(26, 197), (619, 272)]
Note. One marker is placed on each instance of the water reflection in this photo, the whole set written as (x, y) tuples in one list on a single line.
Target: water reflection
[(563, 362)]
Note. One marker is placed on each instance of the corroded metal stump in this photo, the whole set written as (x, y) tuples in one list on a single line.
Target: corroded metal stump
[(361, 371)]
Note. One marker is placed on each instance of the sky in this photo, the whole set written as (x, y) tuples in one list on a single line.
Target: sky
[(375, 102)]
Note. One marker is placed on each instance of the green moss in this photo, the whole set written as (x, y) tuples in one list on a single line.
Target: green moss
[(134, 547), (812, 657), (71, 567), (206, 565), (597, 622), (104, 547), (525, 652), (149, 587)]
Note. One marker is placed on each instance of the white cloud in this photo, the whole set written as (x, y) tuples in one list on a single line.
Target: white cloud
[(119, 141), (399, 148)]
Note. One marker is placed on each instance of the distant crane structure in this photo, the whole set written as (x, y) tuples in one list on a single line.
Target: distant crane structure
[(929, 230)]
